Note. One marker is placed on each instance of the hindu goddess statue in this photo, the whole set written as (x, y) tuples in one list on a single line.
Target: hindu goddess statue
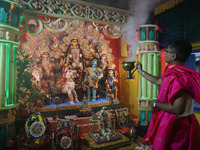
[(47, 76), (74, 59), (111, 85)]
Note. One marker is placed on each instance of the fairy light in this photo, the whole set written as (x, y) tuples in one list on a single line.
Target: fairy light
[(7, 76), (13, 74)]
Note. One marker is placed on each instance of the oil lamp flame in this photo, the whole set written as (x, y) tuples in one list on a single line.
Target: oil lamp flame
[(129, 66)]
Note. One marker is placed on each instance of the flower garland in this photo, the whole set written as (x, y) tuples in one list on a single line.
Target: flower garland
[(65, 142), (68, 123), (35, 127), (122, 117)]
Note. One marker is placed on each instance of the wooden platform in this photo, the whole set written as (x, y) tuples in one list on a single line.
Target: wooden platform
[(66, 109)]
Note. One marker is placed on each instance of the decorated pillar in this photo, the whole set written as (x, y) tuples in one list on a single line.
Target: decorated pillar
[(9, 17), (149, 56)]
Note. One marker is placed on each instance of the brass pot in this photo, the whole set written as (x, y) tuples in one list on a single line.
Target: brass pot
[(129, 66)]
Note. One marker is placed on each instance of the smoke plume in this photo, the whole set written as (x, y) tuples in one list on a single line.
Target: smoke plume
[(140, 10)]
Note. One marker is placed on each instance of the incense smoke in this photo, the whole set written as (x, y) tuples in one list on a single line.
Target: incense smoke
[(141, 10)]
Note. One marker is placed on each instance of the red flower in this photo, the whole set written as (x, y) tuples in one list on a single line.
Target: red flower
[(39, 88), (45, 83)]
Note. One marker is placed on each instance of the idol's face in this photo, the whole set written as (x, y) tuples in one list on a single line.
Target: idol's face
[(94, 62), (103, 57), (110, 72), (91, 46), (45, 55), (55, 39), (74, 42)]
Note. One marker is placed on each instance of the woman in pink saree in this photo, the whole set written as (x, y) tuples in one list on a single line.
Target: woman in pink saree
[(173, 124)]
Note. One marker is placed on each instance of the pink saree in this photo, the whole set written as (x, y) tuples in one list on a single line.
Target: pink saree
[(165, 132)]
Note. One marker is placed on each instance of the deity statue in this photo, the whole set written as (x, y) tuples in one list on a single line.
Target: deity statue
[(105, 53), (56, 44), (111, 87), (47, 78), (93, 50), (57, 47), (90, 54), (103, 62), (67, 85), (75, 60), (74, 54), (92, 77)]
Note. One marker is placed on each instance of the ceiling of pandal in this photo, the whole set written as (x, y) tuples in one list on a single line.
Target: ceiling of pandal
[(121, 4)]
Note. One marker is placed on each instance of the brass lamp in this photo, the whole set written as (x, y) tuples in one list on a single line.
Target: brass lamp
[(129, 66)]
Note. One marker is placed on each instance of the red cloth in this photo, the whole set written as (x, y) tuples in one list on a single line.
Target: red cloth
[(163, 125)]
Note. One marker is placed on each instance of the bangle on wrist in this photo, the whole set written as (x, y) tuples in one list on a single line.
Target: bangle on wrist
[(155, 104)]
